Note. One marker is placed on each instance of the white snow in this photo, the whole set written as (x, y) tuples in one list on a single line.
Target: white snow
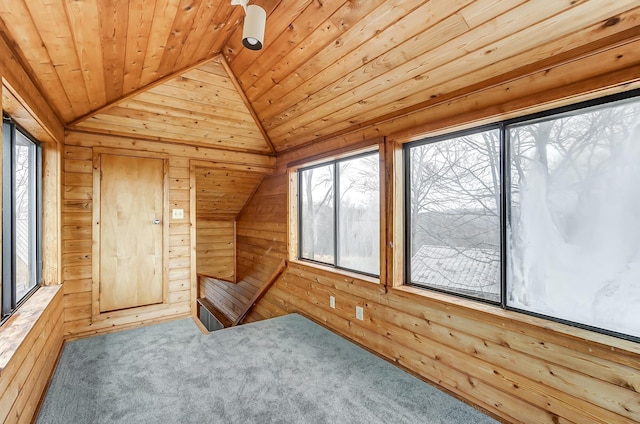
[(575, 237)]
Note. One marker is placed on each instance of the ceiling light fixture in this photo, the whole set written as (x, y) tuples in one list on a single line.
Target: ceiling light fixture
[(254, 23)]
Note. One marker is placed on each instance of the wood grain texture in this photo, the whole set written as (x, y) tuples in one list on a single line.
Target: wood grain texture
[(260, 248), (360, 71), (223, 159), (369, 60), (24, 100), (200, 106), (520, 368), (215, 249), (86, 54), (77, 221), (51, 215), (328, 68), (30, 344), (261, 292), (77, 246), (394, 79), (488, 361), (131, 243), (222, 193)]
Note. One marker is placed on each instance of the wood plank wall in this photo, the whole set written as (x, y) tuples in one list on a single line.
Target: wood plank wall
[(520, 368), (221, 193), (522, 373), (215, 248), (32, 338), (25, 376), (77, 226), (260, 246)]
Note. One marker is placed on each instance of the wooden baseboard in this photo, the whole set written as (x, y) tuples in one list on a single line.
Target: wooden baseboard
[(128, 326)]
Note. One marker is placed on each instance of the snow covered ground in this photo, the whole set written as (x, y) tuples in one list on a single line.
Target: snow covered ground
[(575, 235)]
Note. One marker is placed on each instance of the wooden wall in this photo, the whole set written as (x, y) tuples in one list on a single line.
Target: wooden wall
[(31, 339), (77, 227), (520, 368), (260, 246), (24, 376), (512, 366), (215, 249), (221, 193)]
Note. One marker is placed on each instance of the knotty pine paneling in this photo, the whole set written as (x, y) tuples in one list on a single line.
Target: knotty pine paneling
[(77, 229), (260, 246), (401, 83), (23, 99), (201, 106), (222, 193), (86, 54), (327, 67), (215, 249), (367, 62), (517, 367), (521, 372), (77, 225), (25, 375)]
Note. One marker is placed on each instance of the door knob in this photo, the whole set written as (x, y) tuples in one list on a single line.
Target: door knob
[(156, 221)]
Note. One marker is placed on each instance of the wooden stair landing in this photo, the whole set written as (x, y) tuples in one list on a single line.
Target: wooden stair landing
[(217, 314), (222, 318)]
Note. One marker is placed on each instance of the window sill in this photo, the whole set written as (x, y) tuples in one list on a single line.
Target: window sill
[(339, 271), (520, 320), (17, 328)]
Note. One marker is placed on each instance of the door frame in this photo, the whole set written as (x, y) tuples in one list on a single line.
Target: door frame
[(96, 315)]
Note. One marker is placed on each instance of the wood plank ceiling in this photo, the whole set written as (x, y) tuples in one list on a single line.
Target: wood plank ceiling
[(221, 193), (328, 67), (201, 106)]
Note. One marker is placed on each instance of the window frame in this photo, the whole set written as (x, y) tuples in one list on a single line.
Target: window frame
[(505, 199), (406, 165), (9, 303), (336, 219)]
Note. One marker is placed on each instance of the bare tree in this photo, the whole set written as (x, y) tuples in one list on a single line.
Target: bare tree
[(318, 195)]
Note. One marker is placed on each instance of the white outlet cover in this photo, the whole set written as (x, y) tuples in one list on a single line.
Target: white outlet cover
[(359, 313), (332, 302), (177, 213)]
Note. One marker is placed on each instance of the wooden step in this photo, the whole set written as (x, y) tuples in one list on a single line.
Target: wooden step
[(217, 314)]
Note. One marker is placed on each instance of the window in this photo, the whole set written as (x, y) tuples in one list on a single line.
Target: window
[(574, 236), (21, 179), (536, 214), (453, 206), (339, 213)]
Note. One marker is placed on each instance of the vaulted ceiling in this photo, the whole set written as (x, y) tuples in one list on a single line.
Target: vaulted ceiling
[(221, 194), (201, 106), (176, 70)]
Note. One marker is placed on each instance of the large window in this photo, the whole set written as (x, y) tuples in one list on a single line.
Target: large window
[(454, 214), (574, 236), (537, 214), (21, 177), (339, 213)]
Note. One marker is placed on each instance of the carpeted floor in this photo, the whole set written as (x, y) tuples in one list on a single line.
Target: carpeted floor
[(284, 370)]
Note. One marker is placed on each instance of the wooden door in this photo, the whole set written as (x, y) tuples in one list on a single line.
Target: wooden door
[(131, 232)]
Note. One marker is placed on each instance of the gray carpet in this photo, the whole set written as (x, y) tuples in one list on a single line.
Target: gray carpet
[(283, 370)]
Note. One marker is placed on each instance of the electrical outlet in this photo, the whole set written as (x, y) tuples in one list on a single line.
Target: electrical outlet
[(177, 213), (332, 302), (359, 313)]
